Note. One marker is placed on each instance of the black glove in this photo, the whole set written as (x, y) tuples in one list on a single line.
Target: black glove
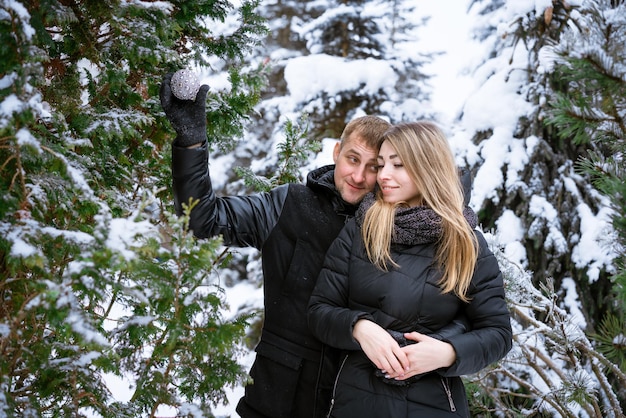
[(188, 117)]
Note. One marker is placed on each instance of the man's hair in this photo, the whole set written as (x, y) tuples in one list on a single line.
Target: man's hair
[(369, 128)]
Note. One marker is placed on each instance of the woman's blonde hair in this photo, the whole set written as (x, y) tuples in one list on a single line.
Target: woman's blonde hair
[(426, 155)]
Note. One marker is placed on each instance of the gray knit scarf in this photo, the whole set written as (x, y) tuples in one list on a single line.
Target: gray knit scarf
[(414, 225)]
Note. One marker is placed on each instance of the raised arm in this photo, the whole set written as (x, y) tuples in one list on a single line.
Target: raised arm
[(243, 221)]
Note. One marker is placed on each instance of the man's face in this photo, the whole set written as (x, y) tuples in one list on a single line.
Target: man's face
[(355, 169)]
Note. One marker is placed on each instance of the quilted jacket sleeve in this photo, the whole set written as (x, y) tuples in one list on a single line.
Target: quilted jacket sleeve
[(243, 221), (490, 338), (330, 319)]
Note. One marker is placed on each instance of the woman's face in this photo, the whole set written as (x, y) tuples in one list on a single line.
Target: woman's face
[(393, 179)]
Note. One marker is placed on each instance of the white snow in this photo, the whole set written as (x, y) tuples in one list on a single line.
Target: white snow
[(310, 75), (470, 94)]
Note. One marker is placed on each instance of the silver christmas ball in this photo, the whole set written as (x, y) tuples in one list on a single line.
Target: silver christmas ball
[(185, 84)]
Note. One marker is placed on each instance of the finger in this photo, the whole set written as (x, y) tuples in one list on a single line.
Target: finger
[(395, 366), (414, 336), (202, 92), (165, 92), (403, 360)]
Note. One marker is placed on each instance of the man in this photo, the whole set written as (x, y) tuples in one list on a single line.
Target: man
[(293, 225)]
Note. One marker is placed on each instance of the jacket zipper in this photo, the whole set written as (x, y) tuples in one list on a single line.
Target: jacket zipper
[(332, 399), (446, 388)]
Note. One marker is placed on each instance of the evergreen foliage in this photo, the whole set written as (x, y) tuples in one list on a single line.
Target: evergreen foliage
[(97, 277), (591, 110), (554, 368), (569, 350), (364, 33), (292, 154), (98, 280)]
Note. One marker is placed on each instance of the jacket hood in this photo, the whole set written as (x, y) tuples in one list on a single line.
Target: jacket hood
[(322, 180)]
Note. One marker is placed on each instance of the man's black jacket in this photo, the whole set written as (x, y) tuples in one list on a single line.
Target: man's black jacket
[(293, 226)]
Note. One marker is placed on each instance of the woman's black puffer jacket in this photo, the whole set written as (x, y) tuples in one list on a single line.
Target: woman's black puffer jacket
[(405, 299)]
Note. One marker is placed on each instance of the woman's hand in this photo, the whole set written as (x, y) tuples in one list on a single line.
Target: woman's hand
[(427, 355), (381, 348)]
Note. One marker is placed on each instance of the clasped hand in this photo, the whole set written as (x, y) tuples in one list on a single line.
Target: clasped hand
[(402, 362)]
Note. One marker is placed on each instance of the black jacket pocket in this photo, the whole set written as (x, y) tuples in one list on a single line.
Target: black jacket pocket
[(275, 375)]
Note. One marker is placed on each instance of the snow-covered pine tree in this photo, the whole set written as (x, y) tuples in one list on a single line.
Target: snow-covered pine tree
[(550, 218), (589, 108), (345, 35), (538, 187), (316, 41), (98, 281), (554, 368)]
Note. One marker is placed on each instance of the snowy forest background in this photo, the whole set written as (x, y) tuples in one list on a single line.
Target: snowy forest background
[(111, 308)]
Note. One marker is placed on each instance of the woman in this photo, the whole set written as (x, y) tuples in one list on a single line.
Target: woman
[(410, 261)]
